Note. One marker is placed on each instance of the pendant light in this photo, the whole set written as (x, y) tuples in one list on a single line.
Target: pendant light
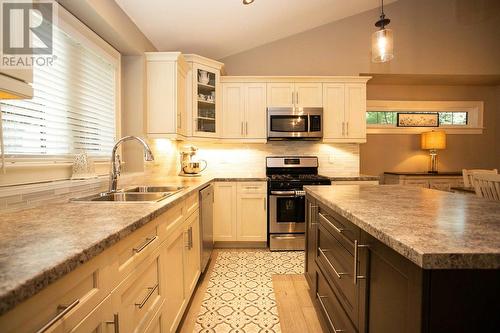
[(382, 40)]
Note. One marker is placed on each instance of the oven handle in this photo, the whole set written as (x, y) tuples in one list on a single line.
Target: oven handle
[(283, 193)]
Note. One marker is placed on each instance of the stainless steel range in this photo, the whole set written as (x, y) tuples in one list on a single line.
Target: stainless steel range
[(287, 175)]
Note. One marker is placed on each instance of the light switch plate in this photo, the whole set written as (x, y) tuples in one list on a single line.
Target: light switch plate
[(331, 159)]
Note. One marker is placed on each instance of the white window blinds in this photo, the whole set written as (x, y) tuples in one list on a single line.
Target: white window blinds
[(73, 108)]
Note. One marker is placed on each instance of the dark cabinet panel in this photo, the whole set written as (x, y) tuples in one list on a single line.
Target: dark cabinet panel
[(311, 240)]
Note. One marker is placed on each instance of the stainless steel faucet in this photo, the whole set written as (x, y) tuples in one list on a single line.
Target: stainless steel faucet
[(116, 162)]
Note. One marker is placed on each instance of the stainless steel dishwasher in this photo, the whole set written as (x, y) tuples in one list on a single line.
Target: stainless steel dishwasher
[(207, 224)]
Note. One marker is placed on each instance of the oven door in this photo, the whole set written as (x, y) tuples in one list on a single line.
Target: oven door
[(286, 123), (286, 212)]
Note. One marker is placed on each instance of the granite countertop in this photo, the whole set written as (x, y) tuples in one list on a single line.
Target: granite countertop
[(434, 229), (426, 174)]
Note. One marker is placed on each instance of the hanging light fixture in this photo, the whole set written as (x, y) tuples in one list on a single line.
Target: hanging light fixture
[(382, 40)]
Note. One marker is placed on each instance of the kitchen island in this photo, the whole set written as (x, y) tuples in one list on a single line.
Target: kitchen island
[(403, 259)]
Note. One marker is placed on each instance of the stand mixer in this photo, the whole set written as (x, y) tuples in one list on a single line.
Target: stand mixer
[(189, 167)]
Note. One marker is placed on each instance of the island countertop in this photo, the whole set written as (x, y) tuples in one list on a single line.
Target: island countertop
[(434, 229)]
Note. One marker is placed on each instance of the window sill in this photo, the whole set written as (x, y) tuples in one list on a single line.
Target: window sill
[(419, 130)]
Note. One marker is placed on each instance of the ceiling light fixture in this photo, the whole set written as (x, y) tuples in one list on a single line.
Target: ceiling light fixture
[(247, 2), (382, 40)]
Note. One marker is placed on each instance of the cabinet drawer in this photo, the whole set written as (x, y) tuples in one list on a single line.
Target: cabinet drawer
[(170, 220), (135, 248), (138, 298), (252, 187), (338, 265), (337, 320), (63, 304), (343, 230)]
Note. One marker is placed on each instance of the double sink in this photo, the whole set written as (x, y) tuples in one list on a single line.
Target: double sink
[(134, 194)]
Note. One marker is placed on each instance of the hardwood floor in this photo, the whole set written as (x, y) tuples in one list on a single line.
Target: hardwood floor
[(295, 307), (296, 310)]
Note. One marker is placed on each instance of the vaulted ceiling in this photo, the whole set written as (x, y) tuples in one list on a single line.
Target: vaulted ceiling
[(219, 28)]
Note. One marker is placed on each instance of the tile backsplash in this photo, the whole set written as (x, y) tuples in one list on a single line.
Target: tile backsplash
[(249, 159)]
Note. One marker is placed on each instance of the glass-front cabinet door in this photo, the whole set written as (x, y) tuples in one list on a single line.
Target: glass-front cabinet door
[(205, 108)]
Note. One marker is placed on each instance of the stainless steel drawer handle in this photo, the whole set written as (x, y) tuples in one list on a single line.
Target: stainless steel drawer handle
[(115, 322), (356, 254), (322, 252), (337, 229), (64, 310), (143, 246), (320, 299), (252, 187), (151, 291)]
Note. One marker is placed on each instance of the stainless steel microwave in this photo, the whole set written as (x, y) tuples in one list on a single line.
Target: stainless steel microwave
[(294, 123)]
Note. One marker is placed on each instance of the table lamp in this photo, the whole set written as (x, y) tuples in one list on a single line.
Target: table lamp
[(433, 141)]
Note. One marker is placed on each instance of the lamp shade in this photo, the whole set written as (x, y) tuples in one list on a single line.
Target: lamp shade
[(433, 140), (382, 45)]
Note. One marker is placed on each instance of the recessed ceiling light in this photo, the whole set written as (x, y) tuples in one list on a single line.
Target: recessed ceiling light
[(247, 2)]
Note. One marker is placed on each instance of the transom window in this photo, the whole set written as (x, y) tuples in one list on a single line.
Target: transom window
[(460, 117)]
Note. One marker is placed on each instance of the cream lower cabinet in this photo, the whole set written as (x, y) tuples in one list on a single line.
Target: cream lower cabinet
[(240, 211), (141, 284), (244, 111), (344, 112)]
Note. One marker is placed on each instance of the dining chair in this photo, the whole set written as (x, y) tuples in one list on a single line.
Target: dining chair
[(467, 174), (487, 185)]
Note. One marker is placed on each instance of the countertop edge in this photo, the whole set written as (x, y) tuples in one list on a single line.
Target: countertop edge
[(423, 260)]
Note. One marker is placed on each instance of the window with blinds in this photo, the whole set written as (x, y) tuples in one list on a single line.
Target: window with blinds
[(73, 108)]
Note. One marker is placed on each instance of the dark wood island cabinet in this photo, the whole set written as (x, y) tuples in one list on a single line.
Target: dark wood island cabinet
[(371, 277)]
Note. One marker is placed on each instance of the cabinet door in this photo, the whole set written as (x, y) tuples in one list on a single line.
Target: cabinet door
[(333, 111), (311, 242), (174, 280), (192, 254), (355, 111), (255, 111), (205, 109), (280, 94), (161, 97), (224, 211), (181, 105), (251, 222), (309, 94), (233, 110)]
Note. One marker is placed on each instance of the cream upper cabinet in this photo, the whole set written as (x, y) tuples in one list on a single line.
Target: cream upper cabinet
[(203, 95), (308, 94), (240, 211), (280, 94), (344, 112), (244, 111), (355, 111), (233, 110), (166, 94), (224, 211), (294, 94)]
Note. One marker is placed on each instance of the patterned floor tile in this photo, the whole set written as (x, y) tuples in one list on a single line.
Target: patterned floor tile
[(240, 296)]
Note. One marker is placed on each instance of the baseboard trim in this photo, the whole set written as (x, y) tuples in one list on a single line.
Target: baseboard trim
[(240, 245)]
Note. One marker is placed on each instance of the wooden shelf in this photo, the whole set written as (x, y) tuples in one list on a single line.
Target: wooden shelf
[(207, 86), (206, 118), (206, 102)]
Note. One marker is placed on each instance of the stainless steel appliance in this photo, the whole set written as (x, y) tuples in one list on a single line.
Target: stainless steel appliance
[(190, 167), (207, 222), (294, 123), (287, 175)]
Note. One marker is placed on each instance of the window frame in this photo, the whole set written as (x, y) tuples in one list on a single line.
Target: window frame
[(79, 32), (474, 111)]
